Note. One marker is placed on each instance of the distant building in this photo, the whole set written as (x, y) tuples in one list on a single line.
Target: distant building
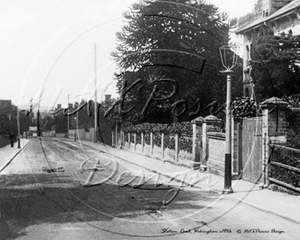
[(6, 112), (6, 108)]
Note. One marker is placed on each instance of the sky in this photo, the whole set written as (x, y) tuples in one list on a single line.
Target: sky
[(47, 47)]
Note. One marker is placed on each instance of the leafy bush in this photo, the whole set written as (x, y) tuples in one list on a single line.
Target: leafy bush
[(293, 121), (284, 175), (169, 142), (293, 129), (243, 107), (293, 100), (182, 129), (174, 128), (186, 144), (157, 139), (147, 138), (289, 158), (138, 138)]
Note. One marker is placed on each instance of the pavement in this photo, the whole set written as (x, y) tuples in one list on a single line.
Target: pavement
[(277, 203), (8, 153)]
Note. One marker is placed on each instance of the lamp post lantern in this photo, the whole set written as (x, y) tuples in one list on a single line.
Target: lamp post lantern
[(229, 60)]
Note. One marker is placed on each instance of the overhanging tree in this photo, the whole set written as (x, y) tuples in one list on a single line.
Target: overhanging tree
[(168, 54), (275, 65)]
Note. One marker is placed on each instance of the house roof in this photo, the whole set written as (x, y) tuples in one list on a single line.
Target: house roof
[(281, 12), (5, 107)]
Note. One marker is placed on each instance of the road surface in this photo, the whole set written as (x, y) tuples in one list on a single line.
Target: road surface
[(61, 189)]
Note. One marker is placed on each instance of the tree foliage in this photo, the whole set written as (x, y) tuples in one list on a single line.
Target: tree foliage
[(47, 123), (243, 107), (61, 123), (169, 50), (275, 65), (251, 16), (293, 100), (257, 7)]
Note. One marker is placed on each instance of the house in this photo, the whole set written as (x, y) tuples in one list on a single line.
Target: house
[(277, 16), (6, 108), (7, 117), (6, 112)]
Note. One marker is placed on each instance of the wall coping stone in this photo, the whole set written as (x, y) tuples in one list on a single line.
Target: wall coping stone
[(210, 119), (295, 109), (274, 101), (216, 135)]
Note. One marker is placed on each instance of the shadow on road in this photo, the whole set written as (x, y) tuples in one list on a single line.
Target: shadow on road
[(28, 199)]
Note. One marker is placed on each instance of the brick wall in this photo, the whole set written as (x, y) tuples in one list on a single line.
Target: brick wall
[(235, 149), (216, 153), (277, 123), (293, 130)]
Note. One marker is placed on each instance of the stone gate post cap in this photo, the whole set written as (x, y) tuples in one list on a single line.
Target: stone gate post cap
[(274, 101), (212, 119), (198, 120)]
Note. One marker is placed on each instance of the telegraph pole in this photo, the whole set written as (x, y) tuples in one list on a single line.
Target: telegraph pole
[(18, 124), (68, 117), (96, 104), (38, 122)]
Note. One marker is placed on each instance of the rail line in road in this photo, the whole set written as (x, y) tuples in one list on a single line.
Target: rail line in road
[(48, 205)]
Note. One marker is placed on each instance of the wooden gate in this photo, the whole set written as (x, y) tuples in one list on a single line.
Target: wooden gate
[(252, 150)]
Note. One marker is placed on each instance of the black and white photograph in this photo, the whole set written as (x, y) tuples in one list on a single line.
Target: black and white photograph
[(149, 119)]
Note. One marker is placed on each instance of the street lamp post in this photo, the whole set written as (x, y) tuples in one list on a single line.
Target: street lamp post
[(28, 113), (68, 120), (38, 123), (18, 125), (96, 104), (76, 124), (26, 129), (229, 60)]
